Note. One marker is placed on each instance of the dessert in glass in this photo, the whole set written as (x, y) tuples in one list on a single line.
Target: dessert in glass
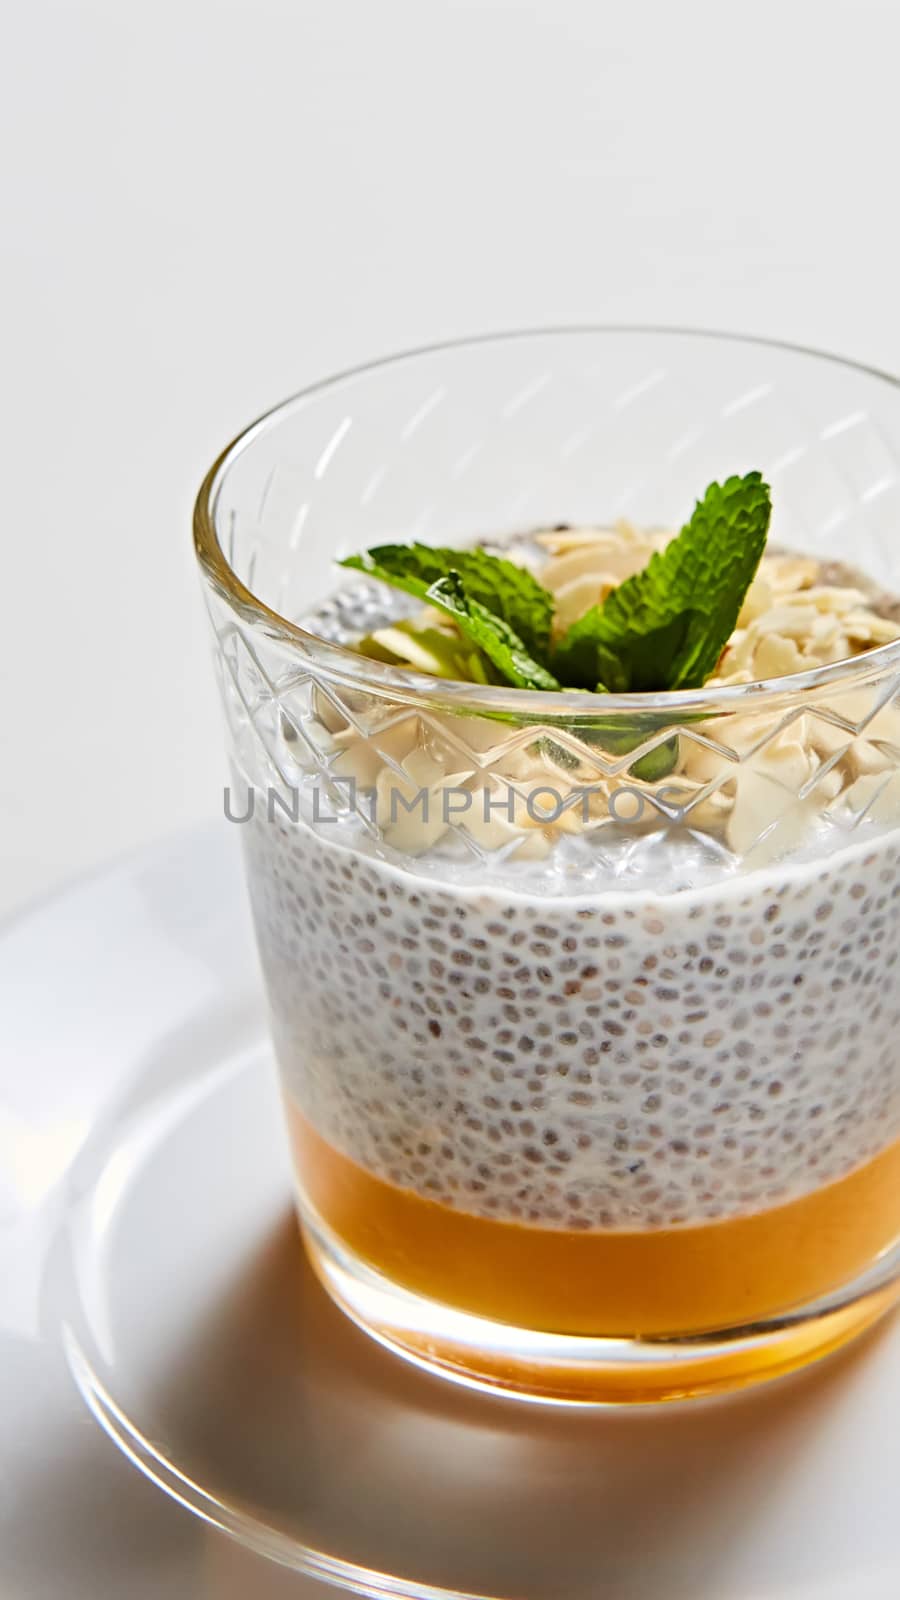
[(570, 808)]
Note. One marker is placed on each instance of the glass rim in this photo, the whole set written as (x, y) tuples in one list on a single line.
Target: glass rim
[(352, 670)]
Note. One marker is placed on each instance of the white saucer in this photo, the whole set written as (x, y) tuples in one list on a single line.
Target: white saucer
[(146, 1230)]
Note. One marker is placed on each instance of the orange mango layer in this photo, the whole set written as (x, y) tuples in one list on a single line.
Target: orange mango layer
[(611, 1282)]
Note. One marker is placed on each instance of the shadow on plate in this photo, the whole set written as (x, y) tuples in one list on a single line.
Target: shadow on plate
[(287, 1412)]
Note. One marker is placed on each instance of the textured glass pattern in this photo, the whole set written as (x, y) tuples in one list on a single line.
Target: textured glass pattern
[(502, 436)]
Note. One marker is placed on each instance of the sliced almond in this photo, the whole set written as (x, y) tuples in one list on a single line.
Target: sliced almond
[(864, 627), (577, 596), (790, 572), (793, 621), (607, 555), (874, 796), (838, 601), (864, 757), (775, 657), (758, 599)]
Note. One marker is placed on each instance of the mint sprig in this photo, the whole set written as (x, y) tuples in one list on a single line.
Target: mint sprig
[(666, 627), (502, 646), (663, 628), (511, 593)]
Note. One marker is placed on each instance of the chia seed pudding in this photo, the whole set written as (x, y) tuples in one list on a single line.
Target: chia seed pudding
[(599, 1023), (619, 1061)]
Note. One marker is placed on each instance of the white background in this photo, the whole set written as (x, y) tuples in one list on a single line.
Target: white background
[(207, 204)]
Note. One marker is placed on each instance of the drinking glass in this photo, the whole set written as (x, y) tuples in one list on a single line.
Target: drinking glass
[(584, 1006)]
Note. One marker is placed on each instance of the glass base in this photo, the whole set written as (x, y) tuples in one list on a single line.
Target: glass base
[(573, 1370)]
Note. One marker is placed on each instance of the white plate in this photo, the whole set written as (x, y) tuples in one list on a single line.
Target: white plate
[(145, 1228)]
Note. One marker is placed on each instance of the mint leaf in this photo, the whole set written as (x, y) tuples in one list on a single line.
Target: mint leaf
[(666, 627), (511, 593), (616, 740), (492, 634)]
